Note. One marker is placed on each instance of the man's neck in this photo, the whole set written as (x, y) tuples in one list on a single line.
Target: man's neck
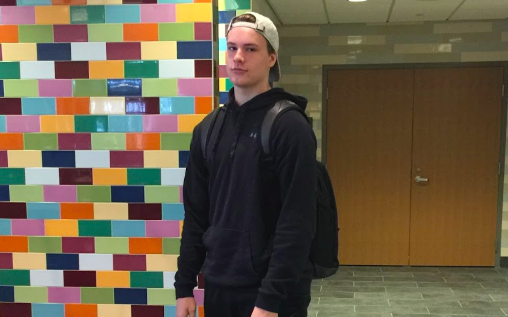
[(242, 95)]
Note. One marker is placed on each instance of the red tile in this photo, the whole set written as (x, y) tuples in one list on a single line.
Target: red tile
[(15, 309), (145, 211), (3, 159), (10, 106), (201, 281), (203, 31), (78, 245), (80, 278), (123, 51), (74, 141), (7, 3), (71, 70), (12, 210), (129, 262), (142, 105), (6, 261), (142, 311), (76, 176), (203, 68), (139, 1), (223, 73), (126, 159), (70, 33)]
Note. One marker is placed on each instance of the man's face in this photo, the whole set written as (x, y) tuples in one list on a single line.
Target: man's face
[(248, 62)]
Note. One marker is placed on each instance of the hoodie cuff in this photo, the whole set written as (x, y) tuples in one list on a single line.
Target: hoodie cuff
[(268, 303), (183, 292)]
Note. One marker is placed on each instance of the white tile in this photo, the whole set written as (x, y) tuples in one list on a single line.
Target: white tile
[(42, 176), (46, 278), (176, 68), (92, 159), (37, 70), (172, 176), (169, 279), (96, 262), (95, 51)]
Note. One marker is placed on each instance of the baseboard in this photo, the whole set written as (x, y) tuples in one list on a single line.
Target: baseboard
[(504, 261)]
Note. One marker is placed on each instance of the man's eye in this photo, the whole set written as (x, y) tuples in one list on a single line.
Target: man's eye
[(231, 48)]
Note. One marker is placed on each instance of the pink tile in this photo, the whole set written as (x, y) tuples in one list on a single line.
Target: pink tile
[(223, 72), (203, 31), (199, 296), (181, 194), (195, 87), (70, 33), (162, 228), (60, 193), (18, 15), (64, 295), (23, 123), (55, 88), (4, 162), (28, 227), (160, 123), (158, 13)]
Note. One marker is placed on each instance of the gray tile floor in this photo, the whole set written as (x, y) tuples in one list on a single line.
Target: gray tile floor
[(411, 291)]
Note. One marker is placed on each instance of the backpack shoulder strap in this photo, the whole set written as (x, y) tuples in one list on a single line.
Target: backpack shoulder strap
[(208, 124)]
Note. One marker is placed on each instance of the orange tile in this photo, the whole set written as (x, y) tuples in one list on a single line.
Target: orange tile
[(110, 176), (203, 105), (9, 34), (187, 122), (113, 279), (80, 310), (143, 141), (52, 15), (201, 311), (69, 105), (16, 244), (141, 32), (11, 141), (76, 210), (68, 2), (60, 124), (106, 69), (61, 227), (145, 245)]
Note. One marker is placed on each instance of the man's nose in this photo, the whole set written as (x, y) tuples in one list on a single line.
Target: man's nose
[(238, 56)]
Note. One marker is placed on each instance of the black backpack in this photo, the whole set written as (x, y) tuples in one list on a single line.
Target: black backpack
[(324, 249)]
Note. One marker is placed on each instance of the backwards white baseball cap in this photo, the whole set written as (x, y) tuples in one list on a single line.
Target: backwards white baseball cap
[(267, 29)]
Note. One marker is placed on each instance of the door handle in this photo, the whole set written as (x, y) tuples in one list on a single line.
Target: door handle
[(420, 179)]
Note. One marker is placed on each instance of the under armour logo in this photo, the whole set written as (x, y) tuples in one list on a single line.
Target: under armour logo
[(253, 135)]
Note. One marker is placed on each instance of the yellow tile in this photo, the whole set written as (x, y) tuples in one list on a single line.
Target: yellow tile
[(18, 158), (29, 261), (111, 211), (194, 12), (61, 227), (158, 50), (187, 122), (181, 228), (222, 84), (222, 5), (89, 2), (106, 69), (222, 58), (52, 15), (113, 310), (161, 158), (60, 124), (110, 176), (19, 52), (113, 279), (161, 262), (107, 105)]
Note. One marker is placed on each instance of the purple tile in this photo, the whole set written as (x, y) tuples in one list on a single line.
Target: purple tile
[(6, 261), (70, 33), (129, 262), (163, 228), (18, 15), (142, 105), (199, 296), (55, 88), (195, 87), (64, 295), (28, 227), (60, 193), (123, 51), (158, 13), (203, 31), (165, 123), (23, 123), (126, 159), (3, 159), (74, 141), (78, 245)]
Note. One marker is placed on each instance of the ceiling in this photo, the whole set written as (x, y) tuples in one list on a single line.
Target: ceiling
[(290, 12)]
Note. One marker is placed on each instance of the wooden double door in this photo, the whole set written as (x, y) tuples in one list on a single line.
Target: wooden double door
[(414, 158)]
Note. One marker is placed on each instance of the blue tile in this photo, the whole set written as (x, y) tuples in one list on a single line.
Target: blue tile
[(223, 97), (195, 50), (4, 193), (124, 87), (131, 296), (127, 13), (169, 310), (1, 88), (34, 2), (226, 16), (5, 227), (173, 212), (45, 310), (54, 52), (125, 123), (2, 124), (62, 261), (128, 194), (38, 106), (7, 294), (223, 45), (58, 159), (183, 157), (177, 105), (128, 228), (43, 210)]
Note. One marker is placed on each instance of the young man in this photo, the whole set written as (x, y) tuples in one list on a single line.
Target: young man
[(248, 222)]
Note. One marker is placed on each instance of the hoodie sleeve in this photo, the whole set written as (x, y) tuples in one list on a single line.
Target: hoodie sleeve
[(293, 146), (196, 205)]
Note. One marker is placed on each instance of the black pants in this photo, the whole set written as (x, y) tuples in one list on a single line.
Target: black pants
[(240, 303)]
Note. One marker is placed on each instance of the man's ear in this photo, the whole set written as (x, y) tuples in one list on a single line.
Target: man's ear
[(273, 59)]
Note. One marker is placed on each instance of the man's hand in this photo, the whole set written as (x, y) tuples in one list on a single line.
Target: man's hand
[(258, 312), (186, 307)]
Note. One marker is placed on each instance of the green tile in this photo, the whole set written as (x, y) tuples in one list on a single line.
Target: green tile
[(35, 33), (41, 141), (85, 123), (108, 141), (147, 279), (175, 141), (26, 193), (171, 246), (229, 84), (89, 88), (88, 14), (12, 176), (161, 296), (94, 228), (15, 277), (21, 88), (9, 70), (162, 194), (92, 295), (30, 294), (96, 194), (105, 32), (144, 176), (237, 5), (176, 31), (112, 245), (155, 87), (141, 69), (45, 244)]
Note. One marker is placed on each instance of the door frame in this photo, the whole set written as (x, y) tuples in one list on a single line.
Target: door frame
[(503, 130)]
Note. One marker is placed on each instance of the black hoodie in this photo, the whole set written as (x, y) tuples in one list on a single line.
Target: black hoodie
[(249, 223)]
